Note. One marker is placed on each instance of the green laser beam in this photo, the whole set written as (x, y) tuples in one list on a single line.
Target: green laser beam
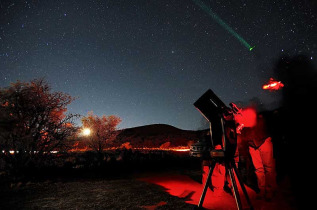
[(222, 23)]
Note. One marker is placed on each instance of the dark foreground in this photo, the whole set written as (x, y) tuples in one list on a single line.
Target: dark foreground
[(167, 190), (90, 194), (130, 180)]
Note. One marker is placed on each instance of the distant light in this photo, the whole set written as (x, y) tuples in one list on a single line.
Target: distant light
[(86, 132), (311, 58), (181, 150), (273, 85)]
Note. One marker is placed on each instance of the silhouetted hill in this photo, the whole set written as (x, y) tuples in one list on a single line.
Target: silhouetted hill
[(155, 135), (155, 129)]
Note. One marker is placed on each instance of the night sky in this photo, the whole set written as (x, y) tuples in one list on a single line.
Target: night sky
[(148, 61)]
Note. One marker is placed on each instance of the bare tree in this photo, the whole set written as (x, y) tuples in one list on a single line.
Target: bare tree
[(33, 119), (103, 130)]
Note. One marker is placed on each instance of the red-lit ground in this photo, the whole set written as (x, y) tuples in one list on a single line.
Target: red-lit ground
[(184, 187)]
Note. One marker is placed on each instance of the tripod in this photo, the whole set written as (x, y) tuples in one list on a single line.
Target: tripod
[(218, 156)]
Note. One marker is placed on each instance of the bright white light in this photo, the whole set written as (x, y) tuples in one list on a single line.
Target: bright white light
[(86, 132)]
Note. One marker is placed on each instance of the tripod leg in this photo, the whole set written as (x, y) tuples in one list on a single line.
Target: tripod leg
[(242, 185), (234, 186), (202, 197)]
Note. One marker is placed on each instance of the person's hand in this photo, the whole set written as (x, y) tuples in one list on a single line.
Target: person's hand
[(239, 128)]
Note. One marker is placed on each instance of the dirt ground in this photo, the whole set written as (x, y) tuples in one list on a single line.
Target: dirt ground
[(169, 190), (90, 194)]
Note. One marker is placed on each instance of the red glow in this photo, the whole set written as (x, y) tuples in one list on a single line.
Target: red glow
[(153, 207), (247, 117), (273, 85), (174, 149), (186, 188)]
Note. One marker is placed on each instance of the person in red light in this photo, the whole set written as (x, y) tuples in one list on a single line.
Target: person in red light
[(220, 178), (261, 151)]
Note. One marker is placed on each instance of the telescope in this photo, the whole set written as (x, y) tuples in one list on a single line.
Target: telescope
[(222, 131), (222, 125)]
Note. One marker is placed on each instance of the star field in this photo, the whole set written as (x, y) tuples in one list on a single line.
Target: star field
[(148, 61)]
